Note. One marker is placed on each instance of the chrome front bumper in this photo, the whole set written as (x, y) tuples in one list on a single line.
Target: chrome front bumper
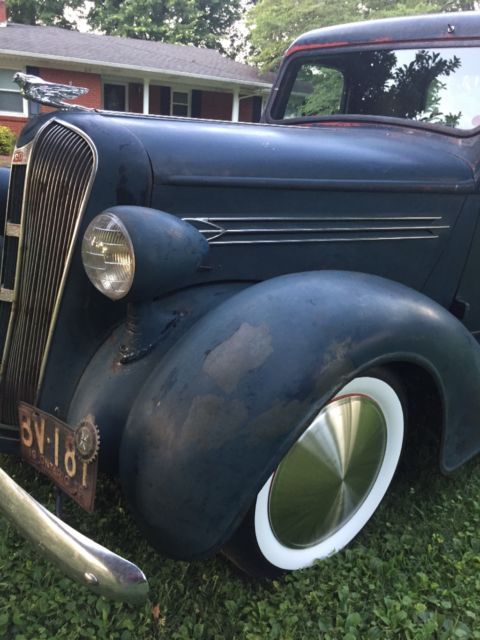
[(80, 558)]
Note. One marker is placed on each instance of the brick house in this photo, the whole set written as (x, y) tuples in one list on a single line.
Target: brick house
[(123, 74)]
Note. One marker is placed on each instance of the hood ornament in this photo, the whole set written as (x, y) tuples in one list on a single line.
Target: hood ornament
[(50, 94)]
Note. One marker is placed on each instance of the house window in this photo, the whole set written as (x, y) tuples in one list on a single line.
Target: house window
[(180, 103), (11, 100), (114, 97)]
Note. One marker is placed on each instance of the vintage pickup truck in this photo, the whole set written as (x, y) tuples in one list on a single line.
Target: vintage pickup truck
[(242, 320)]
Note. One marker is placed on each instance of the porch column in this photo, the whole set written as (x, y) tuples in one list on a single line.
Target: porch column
[(146, 95), (236, 105)]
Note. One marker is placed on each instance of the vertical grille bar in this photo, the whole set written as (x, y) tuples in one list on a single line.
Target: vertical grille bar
[(59, 177)]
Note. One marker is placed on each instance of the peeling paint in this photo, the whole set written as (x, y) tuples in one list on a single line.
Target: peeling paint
[(337, 350), (281, 418), (215, 416), (246, 350)]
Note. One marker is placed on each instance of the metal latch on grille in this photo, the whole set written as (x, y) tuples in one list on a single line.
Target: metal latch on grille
[(12, 230), (6, 295)]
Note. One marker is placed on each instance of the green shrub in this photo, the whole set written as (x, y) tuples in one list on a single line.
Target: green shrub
[(7, 141)]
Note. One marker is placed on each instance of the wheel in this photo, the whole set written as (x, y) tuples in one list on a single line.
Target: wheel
[(329, 484)]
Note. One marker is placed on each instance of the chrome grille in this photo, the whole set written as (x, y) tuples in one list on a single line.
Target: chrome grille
[(59, 176)]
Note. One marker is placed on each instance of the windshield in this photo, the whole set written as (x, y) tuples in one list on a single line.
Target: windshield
[(438, 86)]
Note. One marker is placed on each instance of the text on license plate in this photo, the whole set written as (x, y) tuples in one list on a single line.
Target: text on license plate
[(54, 448)]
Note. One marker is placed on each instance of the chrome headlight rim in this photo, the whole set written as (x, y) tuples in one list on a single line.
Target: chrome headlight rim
[(109, 217)]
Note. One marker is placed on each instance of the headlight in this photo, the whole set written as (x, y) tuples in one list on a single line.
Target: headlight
[(108, 256), (138, 253)]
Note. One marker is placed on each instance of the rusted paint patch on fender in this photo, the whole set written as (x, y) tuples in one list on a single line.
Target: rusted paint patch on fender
[(246, 350), (218, 417), (337, 351), (281, 418)]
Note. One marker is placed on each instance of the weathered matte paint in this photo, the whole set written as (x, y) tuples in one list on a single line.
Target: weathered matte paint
[(109, 387), (343, 225), (398, 31), (221, 409), (283, 176)]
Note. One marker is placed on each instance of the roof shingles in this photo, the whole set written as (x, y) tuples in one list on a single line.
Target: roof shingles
[(150, 56)]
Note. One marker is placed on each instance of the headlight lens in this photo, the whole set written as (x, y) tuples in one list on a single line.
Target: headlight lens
[(108, 256)]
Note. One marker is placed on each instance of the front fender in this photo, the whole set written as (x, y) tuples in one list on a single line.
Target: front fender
[(210, 425), (108, 388)]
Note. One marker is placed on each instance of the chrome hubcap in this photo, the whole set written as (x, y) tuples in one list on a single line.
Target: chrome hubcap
[(328, 473)]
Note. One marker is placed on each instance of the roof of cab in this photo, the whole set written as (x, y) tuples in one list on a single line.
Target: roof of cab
[(451, 27)]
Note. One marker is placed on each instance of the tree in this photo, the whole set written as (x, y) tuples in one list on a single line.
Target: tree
[(274, 24), (198, 22), (45, 12)]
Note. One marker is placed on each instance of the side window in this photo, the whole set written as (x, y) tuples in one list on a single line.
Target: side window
[(317, 91), (10, 98)]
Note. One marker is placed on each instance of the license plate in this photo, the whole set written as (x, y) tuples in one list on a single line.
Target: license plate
[(55, 449)]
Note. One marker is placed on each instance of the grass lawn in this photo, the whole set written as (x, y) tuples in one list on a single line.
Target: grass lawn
[(414, 572)]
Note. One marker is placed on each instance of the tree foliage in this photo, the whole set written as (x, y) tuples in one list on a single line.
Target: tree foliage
[(44, 12), (197, 22), (7, 141), (274, 24), (200, 22)]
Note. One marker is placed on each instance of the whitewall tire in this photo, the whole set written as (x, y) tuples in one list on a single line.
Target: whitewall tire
[(329, 484)]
